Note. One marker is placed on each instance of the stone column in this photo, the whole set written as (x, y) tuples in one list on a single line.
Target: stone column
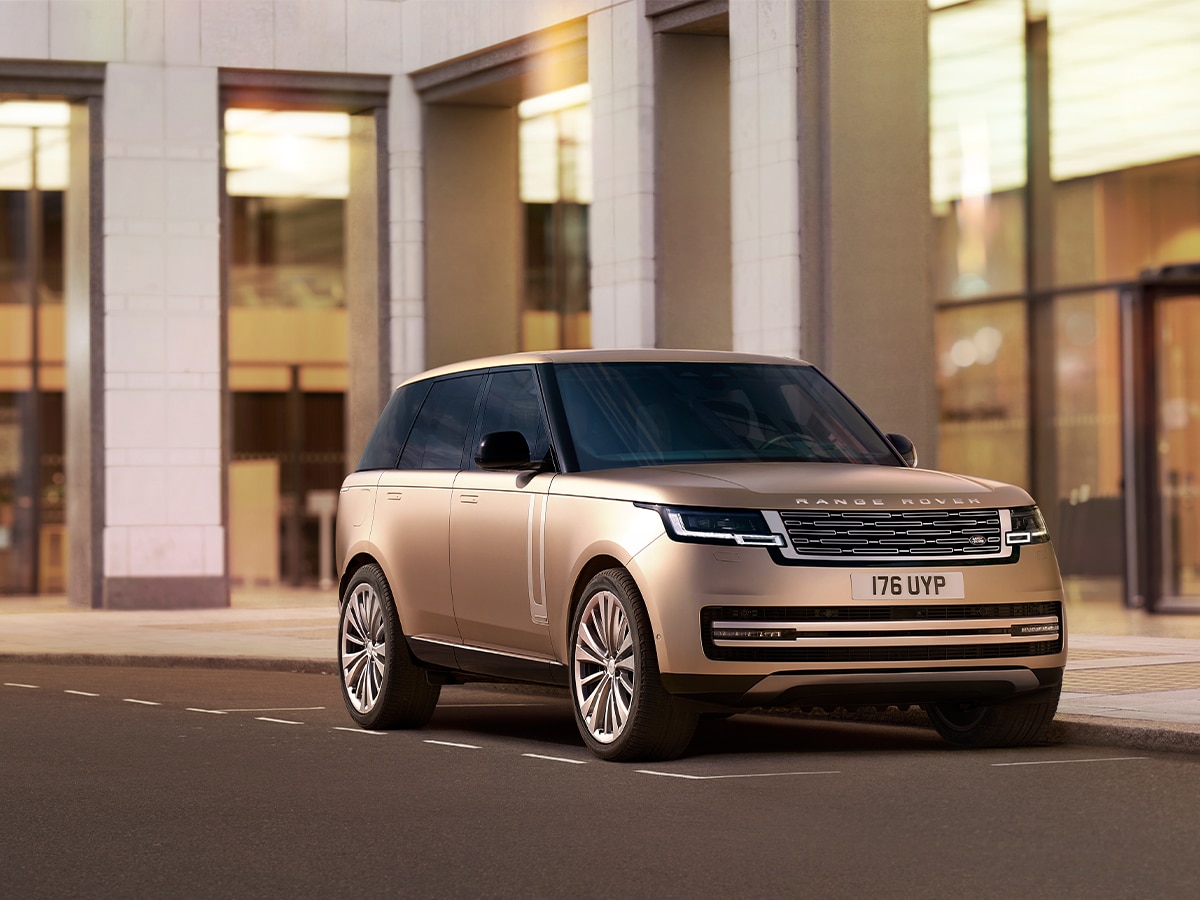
[(620, 71), (164, 532)]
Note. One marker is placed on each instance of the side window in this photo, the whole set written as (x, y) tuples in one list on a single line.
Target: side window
[(514, 404), (440, 431), (383, 448)]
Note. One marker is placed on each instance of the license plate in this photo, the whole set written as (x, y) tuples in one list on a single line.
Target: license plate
[(907, 586)]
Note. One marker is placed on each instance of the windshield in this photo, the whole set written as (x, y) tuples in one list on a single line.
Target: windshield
[(659, 413)]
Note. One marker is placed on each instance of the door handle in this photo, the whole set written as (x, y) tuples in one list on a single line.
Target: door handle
[(468, 498), (394, 495)]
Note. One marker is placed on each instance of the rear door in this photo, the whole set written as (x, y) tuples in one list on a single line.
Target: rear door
[(412, 518)]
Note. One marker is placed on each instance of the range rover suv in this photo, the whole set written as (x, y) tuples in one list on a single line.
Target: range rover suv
[(667, 534)]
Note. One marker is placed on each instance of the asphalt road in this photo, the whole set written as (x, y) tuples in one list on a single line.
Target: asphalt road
[(206, 783)]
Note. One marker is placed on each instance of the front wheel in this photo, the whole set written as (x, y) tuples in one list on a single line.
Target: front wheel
[(621, 708), (1012, 724), (381, 685)]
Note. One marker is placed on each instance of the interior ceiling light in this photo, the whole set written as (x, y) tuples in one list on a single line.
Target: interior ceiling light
[(553, 102)]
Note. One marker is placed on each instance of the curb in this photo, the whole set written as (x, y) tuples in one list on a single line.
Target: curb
[(1132, 734), (246, 663)]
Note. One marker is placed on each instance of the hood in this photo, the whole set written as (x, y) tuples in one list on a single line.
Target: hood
[(793, 486)]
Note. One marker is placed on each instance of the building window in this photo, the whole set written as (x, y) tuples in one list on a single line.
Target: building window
[(287, 184), (555, 151), (33, 181)]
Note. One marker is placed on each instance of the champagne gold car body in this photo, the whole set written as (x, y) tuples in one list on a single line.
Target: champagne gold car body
[(487, 569)]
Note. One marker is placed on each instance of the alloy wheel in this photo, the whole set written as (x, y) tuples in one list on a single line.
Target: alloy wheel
[(605, 674)]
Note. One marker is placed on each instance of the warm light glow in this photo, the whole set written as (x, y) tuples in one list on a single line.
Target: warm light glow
[(271, 153), (34, 113), (556, 147), (20, 121), (578, 95), (977, 99), (1124, 82)]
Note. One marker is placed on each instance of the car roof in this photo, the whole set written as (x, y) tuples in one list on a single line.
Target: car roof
[(606, 356)]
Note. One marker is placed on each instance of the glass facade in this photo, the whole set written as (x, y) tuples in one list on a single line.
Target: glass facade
[(1030, 324), (555, 151), (33, 180), (287, 180)]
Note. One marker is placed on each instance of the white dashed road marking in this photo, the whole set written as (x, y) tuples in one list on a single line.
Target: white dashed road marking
[(82, 693), (143, 702), (1062, 762), (32, 687), (452, 744), (357, 730), (719, 777), (280, 721), (276, 709), (576, 762), (212, 712)]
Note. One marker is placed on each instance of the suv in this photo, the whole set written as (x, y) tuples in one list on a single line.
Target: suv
[(673, 533)]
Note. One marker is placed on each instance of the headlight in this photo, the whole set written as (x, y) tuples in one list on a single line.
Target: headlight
[(717, 526), (1028, 527)]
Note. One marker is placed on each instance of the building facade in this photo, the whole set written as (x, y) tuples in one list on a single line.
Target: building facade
[(228, 227)]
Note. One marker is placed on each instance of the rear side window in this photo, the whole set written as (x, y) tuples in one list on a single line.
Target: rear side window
[(383, 448), (439, 434)]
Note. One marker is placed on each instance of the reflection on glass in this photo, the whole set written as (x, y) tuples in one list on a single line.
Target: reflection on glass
[(1087, 434), (977, 146), (555, 142), (983, 391), (1114, 226)]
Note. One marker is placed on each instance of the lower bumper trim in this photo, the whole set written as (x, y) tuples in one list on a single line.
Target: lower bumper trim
[(846, 689)]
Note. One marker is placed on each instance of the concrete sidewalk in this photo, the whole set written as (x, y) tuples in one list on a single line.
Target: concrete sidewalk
[(1132, 680)]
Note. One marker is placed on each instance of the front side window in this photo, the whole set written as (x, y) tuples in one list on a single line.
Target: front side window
[(514, 404), (637, 414), (439, 434)]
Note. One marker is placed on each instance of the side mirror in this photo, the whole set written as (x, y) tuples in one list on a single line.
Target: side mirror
[(905, 448), (503, 450)]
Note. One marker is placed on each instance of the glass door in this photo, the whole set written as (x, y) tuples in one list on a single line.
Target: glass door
[(1176, 461)]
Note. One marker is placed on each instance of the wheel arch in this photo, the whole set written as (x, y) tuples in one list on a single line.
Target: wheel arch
[(355, 563)]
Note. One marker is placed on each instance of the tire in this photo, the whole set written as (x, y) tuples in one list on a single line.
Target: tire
[(1012, 724), (381, 685), (621, 709)]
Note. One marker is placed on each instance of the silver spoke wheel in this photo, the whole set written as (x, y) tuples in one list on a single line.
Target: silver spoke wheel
[(604, 668), (363, 648)]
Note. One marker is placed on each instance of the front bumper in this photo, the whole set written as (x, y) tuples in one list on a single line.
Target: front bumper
[(733, 626)]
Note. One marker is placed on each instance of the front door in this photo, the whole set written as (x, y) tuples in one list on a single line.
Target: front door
[(1177, 458), (1162, 323)]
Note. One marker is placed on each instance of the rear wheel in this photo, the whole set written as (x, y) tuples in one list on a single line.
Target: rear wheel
[(621, 708), (1012, 724), (381, 685)]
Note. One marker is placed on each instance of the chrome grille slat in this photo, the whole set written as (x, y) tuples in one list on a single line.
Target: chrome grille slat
[(927, 534)]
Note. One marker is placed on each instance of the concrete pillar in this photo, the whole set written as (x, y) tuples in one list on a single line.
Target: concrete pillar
[(620, 71), (406, 232), (474, 244), (164, 533), (830, 196), (694, 259)]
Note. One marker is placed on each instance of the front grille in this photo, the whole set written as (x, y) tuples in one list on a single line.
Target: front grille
[(856, 634), (894, 535)]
